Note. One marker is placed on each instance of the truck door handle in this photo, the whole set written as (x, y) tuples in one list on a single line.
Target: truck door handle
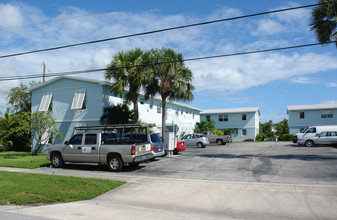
[(93, 148), (79, 148)]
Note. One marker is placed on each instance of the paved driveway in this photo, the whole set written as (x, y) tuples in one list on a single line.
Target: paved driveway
[(281, 162), (236, 181)]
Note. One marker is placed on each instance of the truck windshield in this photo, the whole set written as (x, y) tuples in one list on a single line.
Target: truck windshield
[(305, 129)]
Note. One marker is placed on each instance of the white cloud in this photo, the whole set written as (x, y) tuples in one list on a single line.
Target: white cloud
[(330, 102), (331, 84), (268, 27), (10, 16), (303, 80)]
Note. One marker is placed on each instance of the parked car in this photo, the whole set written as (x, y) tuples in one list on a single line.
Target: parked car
[(326, 137), (181, 146), (157, 144), (198, 140)]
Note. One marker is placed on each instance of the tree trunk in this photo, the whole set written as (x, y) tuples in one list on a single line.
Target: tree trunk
[(163, 116), (135, 108)]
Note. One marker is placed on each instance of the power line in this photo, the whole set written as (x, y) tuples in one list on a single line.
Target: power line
[(162, 30), (85, 15), (185, 60)]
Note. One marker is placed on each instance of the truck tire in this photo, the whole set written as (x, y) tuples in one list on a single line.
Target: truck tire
[(115, 163), (56, 160), (309, 143), (219, 142)]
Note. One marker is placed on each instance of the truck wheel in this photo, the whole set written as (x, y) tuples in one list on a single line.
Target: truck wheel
[(219, 142), (56, 160), (200, 145), (115, 163), (309, 143)]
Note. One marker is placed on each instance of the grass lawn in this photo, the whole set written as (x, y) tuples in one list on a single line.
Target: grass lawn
[(22, 160), (22, 188)]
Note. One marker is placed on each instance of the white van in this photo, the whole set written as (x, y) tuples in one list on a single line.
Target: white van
[(313, 130)]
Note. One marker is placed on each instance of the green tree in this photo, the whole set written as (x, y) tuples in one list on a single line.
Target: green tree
[(19, 97), (324, 21), (170, 78), (128, 72), (118, 114), (266, 129), (204, 126), (282, 127), (43, 128), (15, 131)]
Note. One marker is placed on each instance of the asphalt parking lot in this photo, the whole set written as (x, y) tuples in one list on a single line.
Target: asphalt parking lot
[(276, 162), (236, 181)]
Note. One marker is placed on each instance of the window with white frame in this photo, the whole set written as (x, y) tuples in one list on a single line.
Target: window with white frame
[(327, 114), (45, 103), (79, 101), (223, 117), (244, 117), (301, 114), (208, 118), (244, 132)]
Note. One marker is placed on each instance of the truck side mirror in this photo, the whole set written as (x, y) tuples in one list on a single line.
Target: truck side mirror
[(66, 142)]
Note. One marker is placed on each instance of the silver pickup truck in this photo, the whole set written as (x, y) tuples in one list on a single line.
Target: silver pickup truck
[(218, 139), (100, 147)]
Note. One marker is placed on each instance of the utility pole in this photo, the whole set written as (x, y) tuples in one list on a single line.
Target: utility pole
[(44, 72)]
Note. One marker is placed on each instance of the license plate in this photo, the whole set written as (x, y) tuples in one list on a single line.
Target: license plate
[(148, 147)]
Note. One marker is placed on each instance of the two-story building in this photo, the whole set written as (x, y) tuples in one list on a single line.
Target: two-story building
[(302, 116), (246, 120), (80, 102)]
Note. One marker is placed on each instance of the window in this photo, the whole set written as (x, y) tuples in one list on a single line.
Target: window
[(141, 100), (301, 114), (244, 132), (158, 109), (208, 118), (151, 105), (79, 101), (109, 138), (311, 130), (45, 103), (90, 139), (76, 140), (223, 117), (327, 114), (244, 117)]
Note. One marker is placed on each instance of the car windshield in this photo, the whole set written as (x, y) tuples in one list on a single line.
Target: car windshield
[(155, 138)]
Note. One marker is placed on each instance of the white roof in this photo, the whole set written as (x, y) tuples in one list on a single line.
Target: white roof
[(311, 107), (234, 110), (101, 82)]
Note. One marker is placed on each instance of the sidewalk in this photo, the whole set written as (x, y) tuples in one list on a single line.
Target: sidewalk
[(163, 198)]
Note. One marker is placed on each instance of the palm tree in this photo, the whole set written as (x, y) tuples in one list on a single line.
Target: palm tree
[(324, 21), (127, 70), (170, 78)]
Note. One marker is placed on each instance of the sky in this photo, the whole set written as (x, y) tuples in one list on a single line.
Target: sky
[(271, 81)]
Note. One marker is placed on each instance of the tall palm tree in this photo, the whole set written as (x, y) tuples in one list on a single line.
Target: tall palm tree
[(170, 78), (324, 21), (127, 70)]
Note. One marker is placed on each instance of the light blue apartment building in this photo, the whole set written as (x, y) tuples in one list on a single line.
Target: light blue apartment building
[(302, 116), (246, 120), (80, 102)]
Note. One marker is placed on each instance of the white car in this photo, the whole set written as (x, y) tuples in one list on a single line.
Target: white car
[(326, 137), (198, 140)]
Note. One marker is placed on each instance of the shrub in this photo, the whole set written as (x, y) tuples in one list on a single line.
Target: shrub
[(285, 137), (260, 137)]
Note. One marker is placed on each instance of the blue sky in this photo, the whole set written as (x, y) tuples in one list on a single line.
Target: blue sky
[(270, 81)]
